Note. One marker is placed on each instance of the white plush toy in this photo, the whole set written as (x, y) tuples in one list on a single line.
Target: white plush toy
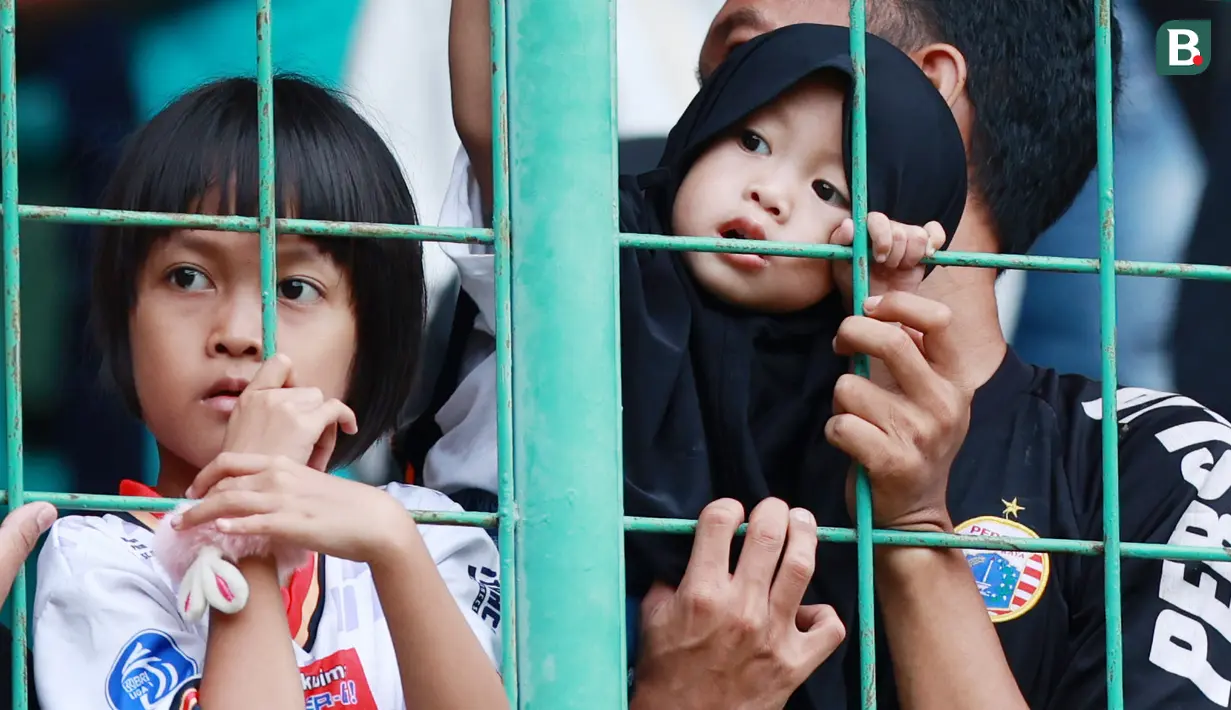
[(201, 561)]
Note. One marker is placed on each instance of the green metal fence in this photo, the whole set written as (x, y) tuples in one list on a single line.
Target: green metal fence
[(558, 385)]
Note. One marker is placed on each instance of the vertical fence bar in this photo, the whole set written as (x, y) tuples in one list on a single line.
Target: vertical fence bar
[(1107, 333), (268, 196), (565, 378), (614, 137), (504, 351), (863, 493), (12, 324)]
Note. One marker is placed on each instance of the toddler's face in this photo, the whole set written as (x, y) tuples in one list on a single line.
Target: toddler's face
[(780, 178)]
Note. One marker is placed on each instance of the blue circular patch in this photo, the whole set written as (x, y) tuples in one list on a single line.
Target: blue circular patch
[(149, 668)]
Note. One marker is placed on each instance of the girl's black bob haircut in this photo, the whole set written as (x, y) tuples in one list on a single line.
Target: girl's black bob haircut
[(331, 165)]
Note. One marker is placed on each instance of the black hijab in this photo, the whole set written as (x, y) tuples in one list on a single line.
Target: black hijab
[(722, 402)]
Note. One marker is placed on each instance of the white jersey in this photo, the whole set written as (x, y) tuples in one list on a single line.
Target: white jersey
[(465, 454), (108, 632)]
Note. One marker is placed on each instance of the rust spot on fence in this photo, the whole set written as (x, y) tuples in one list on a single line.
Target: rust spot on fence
[(365, 229), (20, 625), (503, 147), (13, 346), (52, 212), (868, 636), (504, 230)]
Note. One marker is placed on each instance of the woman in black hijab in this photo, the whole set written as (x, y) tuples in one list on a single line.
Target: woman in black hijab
[(728, 367)]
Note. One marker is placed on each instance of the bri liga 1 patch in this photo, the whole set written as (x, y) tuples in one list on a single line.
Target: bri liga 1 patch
[(1011, 582), (150, 667)]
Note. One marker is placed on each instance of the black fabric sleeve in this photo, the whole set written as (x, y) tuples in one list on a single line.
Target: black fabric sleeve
[(1175, 472)]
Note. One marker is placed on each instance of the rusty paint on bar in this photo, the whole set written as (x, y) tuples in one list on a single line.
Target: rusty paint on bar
[(502, 228), (325, 228), (1107, 336), (859, 255), (12, 327), (266, 190), (307, 227)]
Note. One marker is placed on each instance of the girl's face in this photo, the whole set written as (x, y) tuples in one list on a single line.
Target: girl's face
[(196, 332), (780, 178)]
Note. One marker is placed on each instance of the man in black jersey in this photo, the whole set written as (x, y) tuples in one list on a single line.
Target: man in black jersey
[(1019, 77), (960, 435)]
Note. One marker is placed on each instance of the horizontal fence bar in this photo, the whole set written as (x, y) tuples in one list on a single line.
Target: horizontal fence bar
[(308, 227), (676, 526), (1141, 550), (322, 228), (82, 501), (1164, 269)]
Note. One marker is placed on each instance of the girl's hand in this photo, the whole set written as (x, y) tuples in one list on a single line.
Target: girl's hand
[(255, 494), (274, 417)]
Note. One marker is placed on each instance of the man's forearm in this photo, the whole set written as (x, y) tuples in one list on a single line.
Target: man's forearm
[(946, 653)]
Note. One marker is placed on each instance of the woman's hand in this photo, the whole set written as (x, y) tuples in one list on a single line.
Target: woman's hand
[(19, 535), (256, 494)]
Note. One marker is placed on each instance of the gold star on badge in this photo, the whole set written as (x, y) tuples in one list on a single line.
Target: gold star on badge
[(1011, 508)]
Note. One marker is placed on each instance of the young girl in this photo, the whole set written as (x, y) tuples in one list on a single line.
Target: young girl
[(388, 614), (727, 364)]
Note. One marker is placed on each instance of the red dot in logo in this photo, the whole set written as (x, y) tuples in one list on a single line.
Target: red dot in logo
[(1197, 59)]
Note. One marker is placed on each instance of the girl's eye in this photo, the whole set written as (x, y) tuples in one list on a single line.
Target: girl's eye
[(298, 290), (753, 143), (829, 193), (187, 278)]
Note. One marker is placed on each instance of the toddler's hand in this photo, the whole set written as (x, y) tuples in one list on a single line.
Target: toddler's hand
[(895, 250), (300, 507), (274, 417)]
